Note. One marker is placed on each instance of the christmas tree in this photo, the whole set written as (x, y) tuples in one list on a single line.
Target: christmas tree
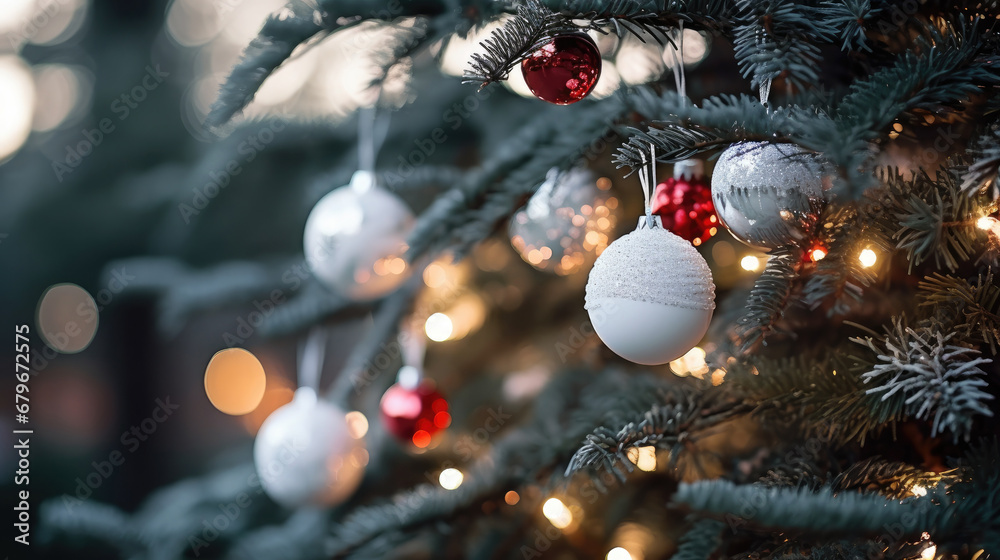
[(623, 279)]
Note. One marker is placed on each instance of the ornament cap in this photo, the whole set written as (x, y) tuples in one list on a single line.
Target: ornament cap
[(689, 169), (362, 180)]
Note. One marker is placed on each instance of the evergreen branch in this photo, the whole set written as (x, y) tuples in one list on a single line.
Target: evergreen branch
[(891, 479), (700, 541), (672, 142), (942, 68), (665, 424), (281, 34), (931, 379), (768, 298), (469, 212), (933, 217), (822, 511), (850, 17), (840, 273), (519, 36), (313, 304), (983, 171), (971, 310), (778, 38)]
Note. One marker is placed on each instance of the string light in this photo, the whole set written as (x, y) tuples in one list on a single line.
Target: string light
[(451, 479), (929, 553), (557, 513), (357, 424), (817, 252), (990, 224), (750, 263), (643, 457), (868, 258), (691, 363), (918, 490)]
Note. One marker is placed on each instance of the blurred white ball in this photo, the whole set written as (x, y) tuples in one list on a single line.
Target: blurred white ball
[(305, 454), (650, 295), (355, 238)]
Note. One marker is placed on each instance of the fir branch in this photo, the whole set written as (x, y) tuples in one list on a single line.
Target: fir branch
[(970, 309), (840, 275), (933, 217), (281, 34), (520, 35), (850, 17), (888, 478), (941, 68), (768, 298), (469, 212), (932, 379), (700, 541), (666, 424), (819, 512), (778, 38), (983, 171)]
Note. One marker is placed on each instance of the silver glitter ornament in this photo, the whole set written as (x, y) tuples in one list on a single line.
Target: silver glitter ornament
[(355, 238), (650, 295), (769, 195)]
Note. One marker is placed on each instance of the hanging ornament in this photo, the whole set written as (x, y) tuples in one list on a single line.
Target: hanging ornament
[(566, 223), (305, 454), (769, 195), (684, 203), (563, 70), (413, 410), (355, 238), (650, 295)]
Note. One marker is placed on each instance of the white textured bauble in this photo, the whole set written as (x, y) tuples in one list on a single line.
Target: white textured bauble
[(355, 238), (305, 455), (769, 195), (650, 295)]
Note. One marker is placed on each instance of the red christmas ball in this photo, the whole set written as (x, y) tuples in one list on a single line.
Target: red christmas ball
[(685, 207), (415, 414), (564, 70)]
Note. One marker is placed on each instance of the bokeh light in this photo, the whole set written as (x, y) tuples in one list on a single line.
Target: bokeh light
[(618, 553), (750, 263), (511, 498), (62, 93), (278, 392), (639, 62), (67, 318), (451, 479), (17, 104), (235, 381), (459, 50), (438, 327), (557, 513), (357, 423)]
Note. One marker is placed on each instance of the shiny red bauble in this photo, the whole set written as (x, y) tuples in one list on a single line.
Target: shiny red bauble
[(685, 207), (564, 70), (416, 414)]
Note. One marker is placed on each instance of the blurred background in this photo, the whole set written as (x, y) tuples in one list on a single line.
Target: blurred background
[(132, 261)]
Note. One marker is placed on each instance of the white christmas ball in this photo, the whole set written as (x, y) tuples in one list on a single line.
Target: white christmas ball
[(650, 295), (355, 238), (769, 195), (305, 454)]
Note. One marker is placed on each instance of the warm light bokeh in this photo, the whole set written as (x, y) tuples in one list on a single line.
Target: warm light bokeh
[(235, 381)]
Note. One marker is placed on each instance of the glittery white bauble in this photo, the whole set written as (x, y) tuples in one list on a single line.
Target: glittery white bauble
[(769, 195), (650, 295), (305, 454), (566, 222), (355, 238)]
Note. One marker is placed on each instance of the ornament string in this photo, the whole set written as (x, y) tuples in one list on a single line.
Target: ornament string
[(311, 354), (677, 52), (413, 347), (648, 183), (372, 131)]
